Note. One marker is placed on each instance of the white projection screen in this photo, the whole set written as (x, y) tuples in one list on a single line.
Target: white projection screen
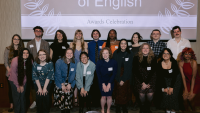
[(125, 16)]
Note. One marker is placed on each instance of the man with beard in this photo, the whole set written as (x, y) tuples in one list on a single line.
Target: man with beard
[(177, 44), (34, 46)]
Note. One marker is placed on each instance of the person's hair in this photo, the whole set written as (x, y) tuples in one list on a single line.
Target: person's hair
[(188, 50), (108, 38), (65, 58), (38, 27), (150, 55), (119, 49), (96, 31), (37, 60), (139, 37), (11, 47), (109, 51), (155, 30), (74, 41), (28, 65), (83, 53), (64, 40), (176, 27), (160, 57)]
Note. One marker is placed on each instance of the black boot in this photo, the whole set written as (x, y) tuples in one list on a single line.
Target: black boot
[(124, 108), (67, 110), (142, 109), (147, 107), (118, 110), (62, 111), (80, 109)]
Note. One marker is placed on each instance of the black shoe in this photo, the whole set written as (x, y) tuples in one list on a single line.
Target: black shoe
[(142, 109), (67, 111), (88, 108), (124, 108), (62, 111), (118, 110), (10, 110), (80, 110)]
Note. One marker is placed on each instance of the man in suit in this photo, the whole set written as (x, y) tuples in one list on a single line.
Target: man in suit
[(34, 46)]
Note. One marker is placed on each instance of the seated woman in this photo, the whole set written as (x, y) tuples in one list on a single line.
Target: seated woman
[(144, 73), (106, 69), (84, 78), (169, 81), (19, 75), (42, 76), (65, 71), (190, 76)]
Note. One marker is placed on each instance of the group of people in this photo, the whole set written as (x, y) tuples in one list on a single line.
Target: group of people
[(98, 72)]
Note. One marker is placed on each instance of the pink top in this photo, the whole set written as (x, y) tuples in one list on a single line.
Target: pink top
[(14, 72)]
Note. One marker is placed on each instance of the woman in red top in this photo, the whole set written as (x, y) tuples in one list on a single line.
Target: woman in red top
[(190, 76)]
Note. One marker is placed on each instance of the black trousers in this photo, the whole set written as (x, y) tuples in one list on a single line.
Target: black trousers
[(9, 91), (83, 99), (19, 99), (42, 101)]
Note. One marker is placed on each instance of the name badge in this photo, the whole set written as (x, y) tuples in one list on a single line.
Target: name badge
[(31, 46), (130, 48), (100, 47), (39, 68), (126, 59), (110, 69), (116, 47), (63, 47), (148, 68), (151, 47), (170, 71), (72, 69), (88, 72)]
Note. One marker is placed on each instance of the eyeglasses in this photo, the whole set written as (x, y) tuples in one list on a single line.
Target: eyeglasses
[(16, 39), (42, 54)]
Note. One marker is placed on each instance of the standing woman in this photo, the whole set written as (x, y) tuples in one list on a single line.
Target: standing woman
[(136, 37), (144, 73), (111, 41), (19, 76), (78, 45), (65, 72), (122, 91), (169, 81), (190, 76), (84, 79), (10, 52), (42, 76), (59, 46), (106, 69)]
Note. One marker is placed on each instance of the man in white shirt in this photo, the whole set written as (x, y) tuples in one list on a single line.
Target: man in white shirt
[(177, 44), (34, 46)]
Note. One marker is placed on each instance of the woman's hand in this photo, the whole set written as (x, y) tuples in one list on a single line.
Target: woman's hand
[(190, 95), (166, 91), (82, 92), (170, 91), (108, 88), (21, 89), (63, 88), (185, 95), (104, 88), (18, 89), (121, 83), (68, 87), (144, 86), (39, 92), (44, 91), (85, 93)]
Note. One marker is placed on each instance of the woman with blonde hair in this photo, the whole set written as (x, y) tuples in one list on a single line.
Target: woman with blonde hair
[(78, 45), (144, 73)]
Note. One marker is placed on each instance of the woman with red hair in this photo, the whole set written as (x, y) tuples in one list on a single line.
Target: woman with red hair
[(190, 76)]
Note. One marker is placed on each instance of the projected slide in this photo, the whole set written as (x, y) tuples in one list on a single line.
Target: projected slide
[(126, 16)]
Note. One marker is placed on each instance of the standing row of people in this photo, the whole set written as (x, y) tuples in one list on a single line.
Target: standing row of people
[(119, 70)]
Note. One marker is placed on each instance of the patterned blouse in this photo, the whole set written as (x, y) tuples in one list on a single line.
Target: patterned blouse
[(42, 73)]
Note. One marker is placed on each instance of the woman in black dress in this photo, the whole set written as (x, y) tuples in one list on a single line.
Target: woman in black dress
[(144, 73), (59, 46), (136, 37), (169, 84)]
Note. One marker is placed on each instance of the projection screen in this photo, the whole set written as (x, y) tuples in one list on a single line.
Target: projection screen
[(125, 16)]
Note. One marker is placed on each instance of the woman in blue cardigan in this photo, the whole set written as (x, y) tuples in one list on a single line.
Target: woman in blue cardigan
[(84, 79), (65, 70)]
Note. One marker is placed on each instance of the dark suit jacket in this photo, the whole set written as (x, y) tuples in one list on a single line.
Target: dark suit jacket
[(44, 45)]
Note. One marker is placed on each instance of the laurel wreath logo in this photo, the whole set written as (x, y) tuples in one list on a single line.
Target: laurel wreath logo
[(166, 21), (52, 23)]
